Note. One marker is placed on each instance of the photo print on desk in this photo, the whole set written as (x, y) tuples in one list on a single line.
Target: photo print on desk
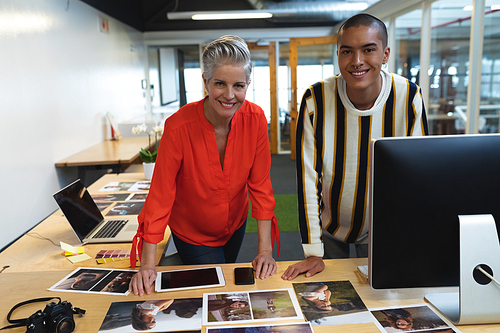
[(142, 185), (250, 306), (137, 196), (117, 186), (165, 315), (126, 208), (331, 303), (96, 281), (274, 328), (411, 318), (110, 197)]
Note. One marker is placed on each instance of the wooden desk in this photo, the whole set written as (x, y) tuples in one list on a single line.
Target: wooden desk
[(29, 285), (114, 154), (33, 253)]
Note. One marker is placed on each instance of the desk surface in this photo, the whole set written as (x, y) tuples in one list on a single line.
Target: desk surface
[(97, 305), (123, 151), (33, 253)]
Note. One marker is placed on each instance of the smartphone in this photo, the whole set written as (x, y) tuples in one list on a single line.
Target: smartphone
[(243, 275)]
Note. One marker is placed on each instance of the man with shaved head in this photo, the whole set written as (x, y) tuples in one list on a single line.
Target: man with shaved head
[(338, 118)]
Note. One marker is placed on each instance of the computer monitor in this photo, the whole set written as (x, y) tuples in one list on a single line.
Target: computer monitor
[(419, 187)]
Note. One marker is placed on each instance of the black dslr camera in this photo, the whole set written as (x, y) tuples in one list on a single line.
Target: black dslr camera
[(55, 318)]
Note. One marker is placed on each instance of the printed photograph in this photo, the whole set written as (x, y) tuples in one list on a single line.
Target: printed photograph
[(323, 302), (95, 280), (126, 208), (278, 328), (272, 304), (228, 307), (137, 196), (111, 197), (116, 186), (142, 185), (407, 319), (252, 306), (166, 315)]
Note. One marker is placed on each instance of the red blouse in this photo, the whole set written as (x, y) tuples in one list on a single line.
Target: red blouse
[(202, 203)]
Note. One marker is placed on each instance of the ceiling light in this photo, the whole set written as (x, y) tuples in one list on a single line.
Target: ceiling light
[(495, 7), (468, 8), (231, 16), (227, 15)]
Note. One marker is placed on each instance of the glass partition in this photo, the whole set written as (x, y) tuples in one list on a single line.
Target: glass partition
[(448, 72), (407, 50), (284, 97), (259, 89), (489, 115)]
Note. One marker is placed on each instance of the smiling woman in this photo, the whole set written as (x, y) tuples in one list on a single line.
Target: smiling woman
[(214, 155)]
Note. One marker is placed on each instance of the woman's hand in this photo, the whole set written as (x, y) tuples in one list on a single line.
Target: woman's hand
[(264, 265), (141, 281)]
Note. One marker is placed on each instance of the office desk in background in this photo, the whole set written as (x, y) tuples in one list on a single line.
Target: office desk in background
[(110, 154), (33, 253), (25, 286)]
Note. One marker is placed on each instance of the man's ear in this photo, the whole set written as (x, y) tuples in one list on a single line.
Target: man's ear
[(387, 52)]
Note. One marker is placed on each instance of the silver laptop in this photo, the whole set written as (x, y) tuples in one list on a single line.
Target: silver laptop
[(87, 221)]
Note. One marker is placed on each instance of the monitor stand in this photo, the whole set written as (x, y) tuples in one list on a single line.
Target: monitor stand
[(478, 299)]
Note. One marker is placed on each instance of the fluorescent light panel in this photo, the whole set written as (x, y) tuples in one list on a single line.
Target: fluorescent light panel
[(258, 14), (231, 16), (224, 15)]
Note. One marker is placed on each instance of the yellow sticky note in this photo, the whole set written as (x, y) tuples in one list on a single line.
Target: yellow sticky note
[(79, 257), (71, 250)]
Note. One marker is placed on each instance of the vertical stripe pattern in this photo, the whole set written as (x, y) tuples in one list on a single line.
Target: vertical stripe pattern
[(333, 142)]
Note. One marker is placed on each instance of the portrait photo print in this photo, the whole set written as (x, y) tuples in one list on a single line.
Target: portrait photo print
[(95, 280)]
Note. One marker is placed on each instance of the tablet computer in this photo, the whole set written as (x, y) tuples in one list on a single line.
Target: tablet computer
[(189, 279)]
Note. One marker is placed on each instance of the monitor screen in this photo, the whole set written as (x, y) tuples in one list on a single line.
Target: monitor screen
[(419, 186)]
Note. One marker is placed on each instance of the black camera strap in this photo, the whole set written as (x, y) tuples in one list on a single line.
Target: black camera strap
[(23, 321)]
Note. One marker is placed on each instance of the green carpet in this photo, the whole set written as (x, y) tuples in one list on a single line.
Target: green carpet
[(286, 213)]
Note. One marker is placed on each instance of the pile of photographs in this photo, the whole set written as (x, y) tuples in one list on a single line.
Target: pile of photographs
[(301, 307)]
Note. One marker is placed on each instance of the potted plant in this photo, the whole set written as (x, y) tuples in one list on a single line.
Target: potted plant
[(148, 158)]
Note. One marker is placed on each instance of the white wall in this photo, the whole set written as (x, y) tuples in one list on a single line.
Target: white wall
[(59, 77)]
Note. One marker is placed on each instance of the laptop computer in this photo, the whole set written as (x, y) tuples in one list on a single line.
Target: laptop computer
[(87, 221)]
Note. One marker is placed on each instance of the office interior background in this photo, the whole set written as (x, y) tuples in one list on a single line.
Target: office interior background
[(66, 64)]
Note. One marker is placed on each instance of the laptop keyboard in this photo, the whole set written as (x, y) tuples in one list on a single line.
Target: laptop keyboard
[(111, 229)]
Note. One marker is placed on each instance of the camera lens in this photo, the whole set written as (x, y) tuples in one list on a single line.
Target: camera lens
[(63, 324)]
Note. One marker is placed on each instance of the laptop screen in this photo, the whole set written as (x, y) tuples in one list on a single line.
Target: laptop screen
[(79, 208)]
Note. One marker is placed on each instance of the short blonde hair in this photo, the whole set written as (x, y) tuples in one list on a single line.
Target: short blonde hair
[(226, 50)]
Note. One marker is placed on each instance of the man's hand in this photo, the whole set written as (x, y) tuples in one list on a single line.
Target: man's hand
[(141, 281), (310, 266), (264, 265)]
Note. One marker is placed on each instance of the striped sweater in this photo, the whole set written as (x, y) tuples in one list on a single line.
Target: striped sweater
[(333, 140)]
